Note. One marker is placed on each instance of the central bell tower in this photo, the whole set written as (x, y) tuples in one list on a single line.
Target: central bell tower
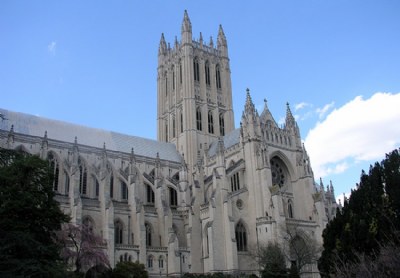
[(194, 92)]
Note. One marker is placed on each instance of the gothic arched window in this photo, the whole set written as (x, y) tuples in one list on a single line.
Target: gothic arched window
[(290, 209), (173, 127), (218, 77), (181, 121), (124, 191), (112, 186), (235, 182), (97, 186), (196, 69), (221, 124), (241, 237), (173, 197), (277, 173), (66, 182), (180, 72), (207, 73), (82, 177), (173, 78), (210, 122), (55, 170), (148, 234), (166, 132), (150, 195), (150, 261), (198, 119), (118, 231)]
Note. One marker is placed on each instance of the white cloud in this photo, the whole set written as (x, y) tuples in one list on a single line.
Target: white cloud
[(340, 198), (301, 105), (52, 47), (360, 130), (322, 111)]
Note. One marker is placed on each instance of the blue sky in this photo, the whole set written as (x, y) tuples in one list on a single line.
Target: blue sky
[(337, 63)]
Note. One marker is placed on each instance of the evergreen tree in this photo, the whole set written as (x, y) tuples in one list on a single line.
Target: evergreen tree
[(129, 269), (368, 220), (29, 217)]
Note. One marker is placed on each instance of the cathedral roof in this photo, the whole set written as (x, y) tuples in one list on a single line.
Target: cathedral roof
[(230, 139), (92, 137)]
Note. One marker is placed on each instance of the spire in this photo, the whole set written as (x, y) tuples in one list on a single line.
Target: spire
[(176, 43), (186, 24), (211, 42), (290, 121), (162, 49), (266, 114), (249, 106), (221, 37), (222, 45), (132, 157), (45, 142), (201, 39)]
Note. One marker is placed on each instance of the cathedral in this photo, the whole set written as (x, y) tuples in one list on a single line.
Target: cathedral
[(205, 196)]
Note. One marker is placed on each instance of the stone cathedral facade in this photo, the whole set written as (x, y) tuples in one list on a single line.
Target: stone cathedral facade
[(205, 195)]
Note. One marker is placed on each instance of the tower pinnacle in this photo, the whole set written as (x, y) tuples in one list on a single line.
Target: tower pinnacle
[(186, 24), (163, 45)]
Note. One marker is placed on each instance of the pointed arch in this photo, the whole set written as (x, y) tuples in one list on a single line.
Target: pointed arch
[(124, 190), (284, 160), (173, 77), (207, 73), (161, 262), (118, 231), (150, 259), (221, 124), (198, 118), (173, 126), (218, 76), (150, 196), (66, 182), (55, 168), (196, 69), (180, 71), (210, 122), (290, 208), (173, 197), (96, 186), (181, 120), (149, 233), (241, 236), (83, 176)]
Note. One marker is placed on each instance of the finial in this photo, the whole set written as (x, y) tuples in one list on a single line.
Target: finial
[(176, 42), (132, 157), (104, 145), (186, 25), (211, 42), (45, 134), (76, 140), (163, 46), (221, 38), (12, 129)]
